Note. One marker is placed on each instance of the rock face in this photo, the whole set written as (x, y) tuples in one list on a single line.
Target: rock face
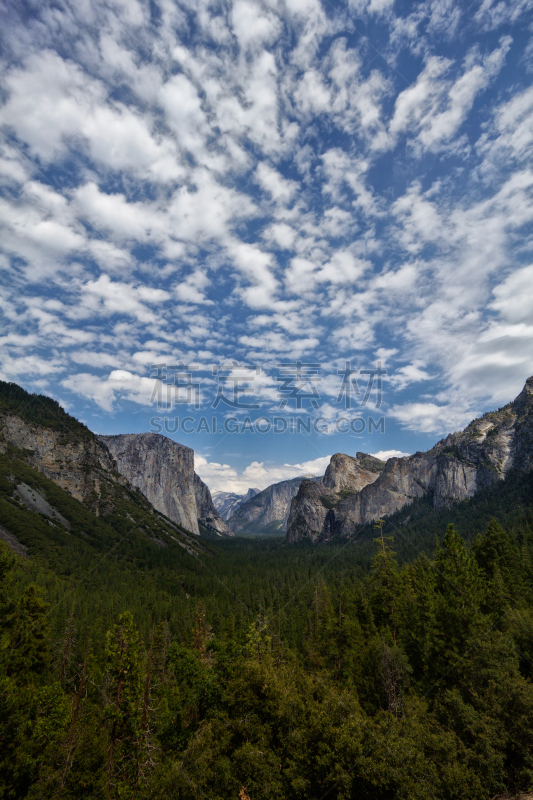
[(208, 516), (163, 471), (346, 474), (454, 469), (312, 511), (267, 512), (78, 463), (226, 503), (35, 430)]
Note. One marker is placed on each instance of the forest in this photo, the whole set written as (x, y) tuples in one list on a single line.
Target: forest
[(261, 670)]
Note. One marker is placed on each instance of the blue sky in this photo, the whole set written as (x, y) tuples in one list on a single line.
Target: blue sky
[(255, 184)]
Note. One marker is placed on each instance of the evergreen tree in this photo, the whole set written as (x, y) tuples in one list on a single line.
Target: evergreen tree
[(459, 592), (122, 713)]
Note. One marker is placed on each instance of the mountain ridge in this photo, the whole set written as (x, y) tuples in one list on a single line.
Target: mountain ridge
[(267, 511), (226, 503), (453, 469)]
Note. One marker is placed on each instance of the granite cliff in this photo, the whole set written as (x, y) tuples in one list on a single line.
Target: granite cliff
[(208, 516), (226, 503), (312, 511), (59, 486), (454, 469), (267, 511), (44, 451), (71, 456), (163, 471)]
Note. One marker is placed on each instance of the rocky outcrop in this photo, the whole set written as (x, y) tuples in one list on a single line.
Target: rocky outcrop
[(454, 469), (312, 511), (77, 461), (38, 436), (226, 503), (267, 512), (163, 471), (350, 475), (208, 516)]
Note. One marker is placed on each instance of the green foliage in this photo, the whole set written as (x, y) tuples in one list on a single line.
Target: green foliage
[(122, 711), (328, 502), (258, 669), (40, 410)]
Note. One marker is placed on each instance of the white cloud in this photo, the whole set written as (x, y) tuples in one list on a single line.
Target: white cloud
[(13, 368), (379, 6), (192, 290), (434, 108), (384, 455), (253, 25), (121, 139), (222, 477), (430, 417), (108, 297), (411, 373), (312, 95), (275, 184), (343, 171), (512, 132), (118, 384), (49, 99), (343, 267), (184, 113), (256, 266), (514, 296), (112, 212), (281, 235), (493, 14)]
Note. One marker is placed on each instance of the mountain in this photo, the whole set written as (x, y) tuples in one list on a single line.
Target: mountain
[(163, 471), (57, 445), (454, 469), (226, 503), (267, 511), (60, 492), (311, 510), (209, 520)]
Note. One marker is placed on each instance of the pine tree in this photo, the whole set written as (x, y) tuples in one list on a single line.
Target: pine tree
[(123, 708), (459, 593), (29, 649), (501, 563), (385, 572)]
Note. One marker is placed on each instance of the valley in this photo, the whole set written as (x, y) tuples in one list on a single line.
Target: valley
[(244, 651)]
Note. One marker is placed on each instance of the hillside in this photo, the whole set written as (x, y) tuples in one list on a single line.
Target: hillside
[(456, 468)]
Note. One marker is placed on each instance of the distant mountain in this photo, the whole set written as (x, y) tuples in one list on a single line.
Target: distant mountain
[(226, 503), (454, 469), (163, 471), (267, 511)]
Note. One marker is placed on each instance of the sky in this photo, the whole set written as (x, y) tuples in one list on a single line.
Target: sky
[(271, 231)]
